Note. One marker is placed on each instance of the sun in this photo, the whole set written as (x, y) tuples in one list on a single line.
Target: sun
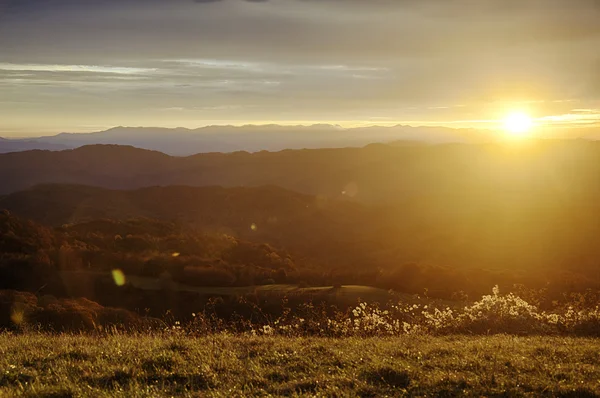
[(518, 124)]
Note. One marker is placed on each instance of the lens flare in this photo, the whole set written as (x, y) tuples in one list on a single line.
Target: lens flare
[(118, 277)]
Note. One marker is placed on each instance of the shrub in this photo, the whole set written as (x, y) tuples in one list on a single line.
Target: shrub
[(493, 313), (21, 310)]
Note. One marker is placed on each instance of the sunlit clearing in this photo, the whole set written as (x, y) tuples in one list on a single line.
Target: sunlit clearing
[(118, 277), (518, 124), (176, 254), (253, 227)]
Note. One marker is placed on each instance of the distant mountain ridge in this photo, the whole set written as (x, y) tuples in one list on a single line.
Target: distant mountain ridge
[(252, 138)]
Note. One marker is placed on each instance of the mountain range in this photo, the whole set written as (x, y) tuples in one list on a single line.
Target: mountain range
[(503, 202), (185, 142)]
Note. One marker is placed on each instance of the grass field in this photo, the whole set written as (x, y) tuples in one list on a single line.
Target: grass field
[(172, 364)]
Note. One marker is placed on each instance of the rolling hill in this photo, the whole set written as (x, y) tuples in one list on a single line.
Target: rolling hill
[(539, 172)]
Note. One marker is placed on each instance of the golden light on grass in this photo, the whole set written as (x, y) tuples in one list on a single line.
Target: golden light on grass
[(118, 277), (518, 124)]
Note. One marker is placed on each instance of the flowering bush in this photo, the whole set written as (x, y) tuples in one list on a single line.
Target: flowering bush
[(493, 313)]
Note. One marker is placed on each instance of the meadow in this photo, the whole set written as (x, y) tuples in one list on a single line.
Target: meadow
[(499, 346), (175, 363)]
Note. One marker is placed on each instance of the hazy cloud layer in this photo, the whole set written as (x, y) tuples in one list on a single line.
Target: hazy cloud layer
[(66, 64)]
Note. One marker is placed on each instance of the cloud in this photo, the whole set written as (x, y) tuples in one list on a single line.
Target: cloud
[(299, 59), (215, 1), (74, 68)]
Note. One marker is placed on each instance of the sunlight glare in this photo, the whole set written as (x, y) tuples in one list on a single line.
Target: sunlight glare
[(518, 124)]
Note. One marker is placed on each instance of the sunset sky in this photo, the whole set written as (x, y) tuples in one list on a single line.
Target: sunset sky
[(87, 65)]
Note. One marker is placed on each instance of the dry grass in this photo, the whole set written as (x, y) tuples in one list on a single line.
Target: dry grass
[(171, 364)]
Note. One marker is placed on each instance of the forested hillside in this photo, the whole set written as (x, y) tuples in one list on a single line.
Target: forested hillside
[(444, 221)]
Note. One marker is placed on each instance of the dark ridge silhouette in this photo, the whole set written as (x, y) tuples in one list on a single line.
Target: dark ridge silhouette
[(381, 174)]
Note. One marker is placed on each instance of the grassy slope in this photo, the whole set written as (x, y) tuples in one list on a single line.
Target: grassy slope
[(157, 365)]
